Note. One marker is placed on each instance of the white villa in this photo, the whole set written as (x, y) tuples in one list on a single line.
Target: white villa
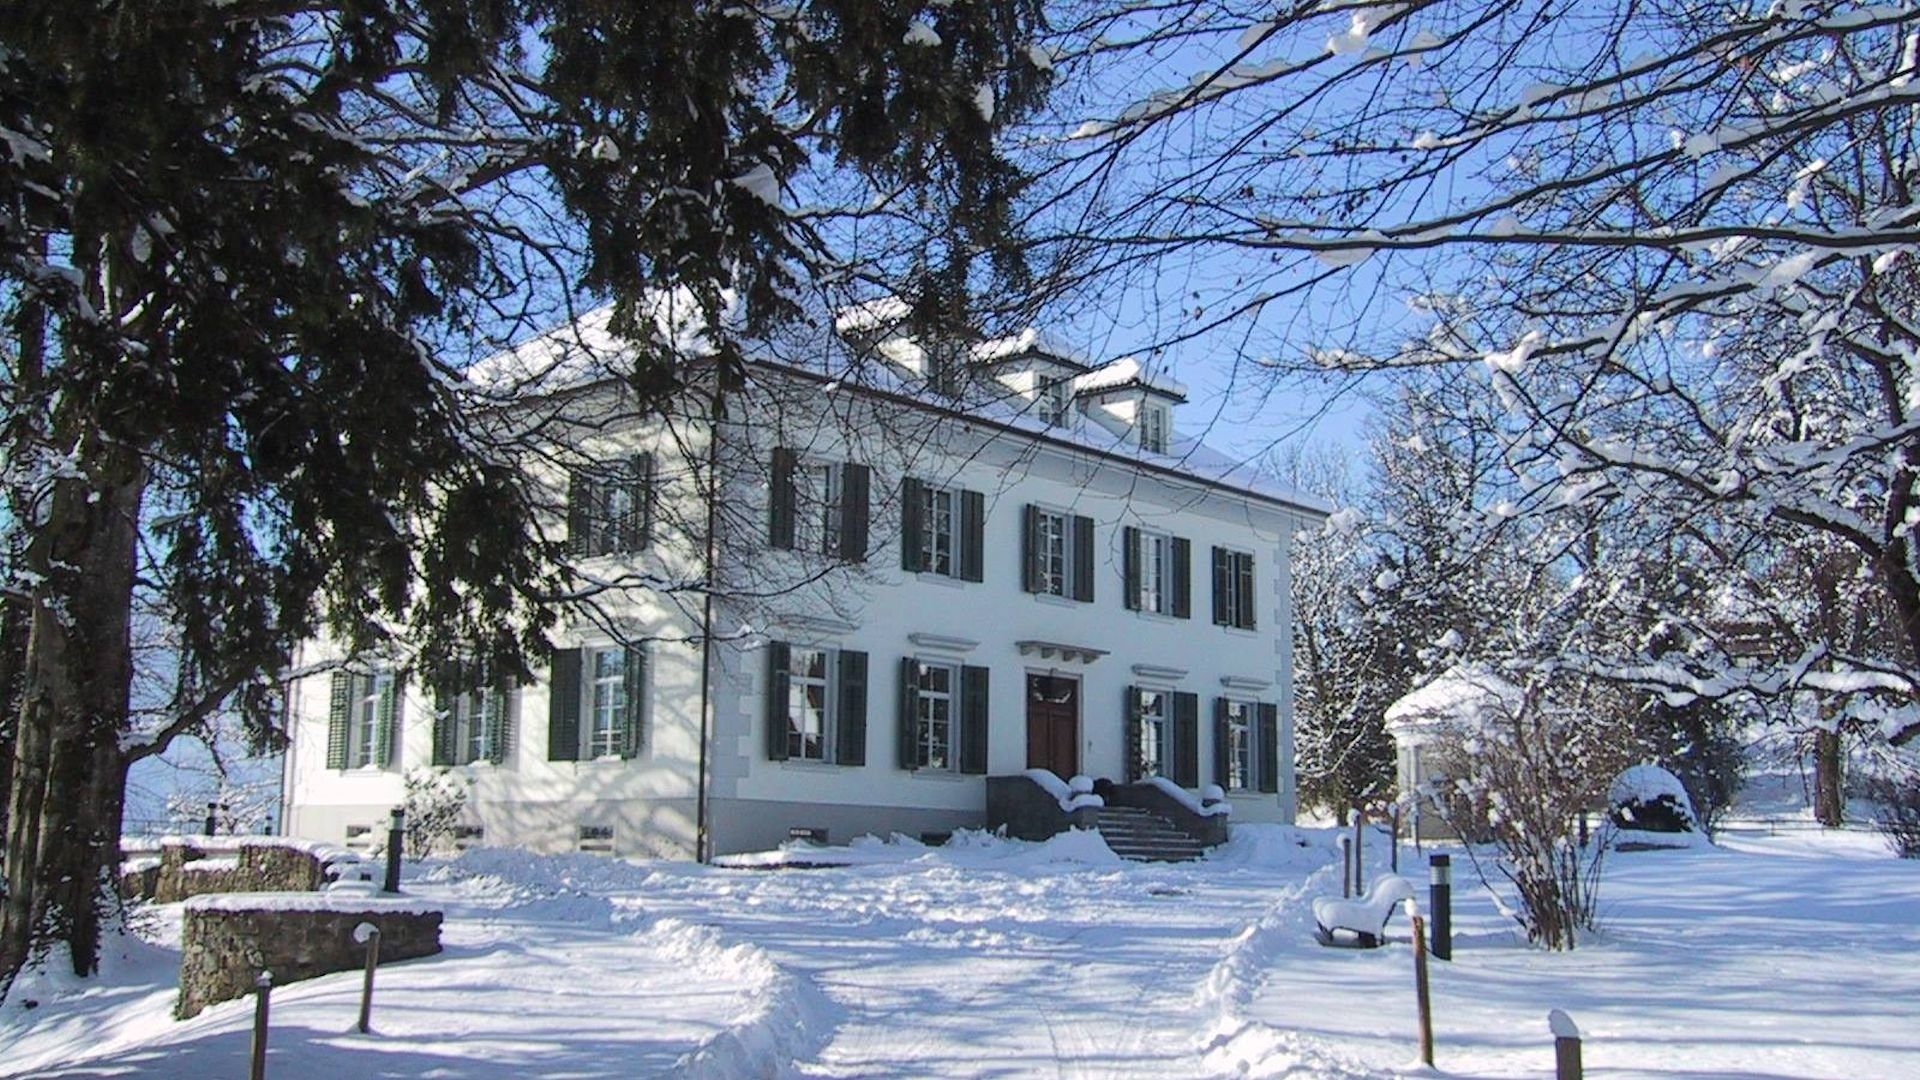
[(932, 566)]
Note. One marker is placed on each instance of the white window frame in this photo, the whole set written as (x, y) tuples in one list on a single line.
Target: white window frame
[(1156, 726), (1153, 428), (1240, 735), (1240, 607), (365, 737), (940, 531), (817, 491), (798, 682), (1154, 562), (1053, 399), (606, 704), (1054, 542), (935, 721)]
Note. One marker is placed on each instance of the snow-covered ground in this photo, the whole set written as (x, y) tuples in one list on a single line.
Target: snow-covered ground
[(1782, 953)]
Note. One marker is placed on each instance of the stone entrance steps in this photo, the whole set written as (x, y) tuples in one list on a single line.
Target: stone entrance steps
[(1144, 836)]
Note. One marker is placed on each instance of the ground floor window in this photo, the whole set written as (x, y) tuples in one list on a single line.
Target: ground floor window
[(1238, 731), (1154, 708), (809, 704), (608, 686), (933, 701)]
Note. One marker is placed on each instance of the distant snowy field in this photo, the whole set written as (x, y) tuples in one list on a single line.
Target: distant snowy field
[(1790, 955)]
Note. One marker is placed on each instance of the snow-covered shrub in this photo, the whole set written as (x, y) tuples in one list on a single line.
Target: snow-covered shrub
[(434, 802), (1650, 799), (1530, 769), (1899, 815)]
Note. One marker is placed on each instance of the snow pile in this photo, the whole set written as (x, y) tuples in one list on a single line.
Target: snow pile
[(1072, 795), (787, 1018), (1187, 799), (1649, 808)]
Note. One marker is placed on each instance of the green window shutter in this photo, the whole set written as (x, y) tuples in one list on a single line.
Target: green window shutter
[(973, 720), (1030, 548), (339, 709), (636, 524), (1221, 567), (386, 728), (912, 525), (1266, 748), (1222, 745), (1186, 740), (850, 742), (1182, 550), (780, 500), (580, 511), (973, 539), (1083, 558), (1130, 568), (778, 657), (855, 484), (563, 706), (500, 739), (446, 715), (633, 726), (909, 713), (1133, 733), (1243, 568)]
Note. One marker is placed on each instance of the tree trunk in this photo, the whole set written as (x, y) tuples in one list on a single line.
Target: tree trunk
[(63, 822), (1829, 798)]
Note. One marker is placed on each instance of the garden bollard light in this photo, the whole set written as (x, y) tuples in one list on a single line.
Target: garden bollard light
[(1346, 867), (1566, 1046), (396, 838), (1440, 902), (369, 935), (263, 985)]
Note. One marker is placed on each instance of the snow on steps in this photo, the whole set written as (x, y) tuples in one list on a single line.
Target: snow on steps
[(1144, 836)]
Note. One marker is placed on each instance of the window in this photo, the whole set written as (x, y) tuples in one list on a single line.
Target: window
[(1151, 592), (597, 703), (1058, 553), (607, 707), (819, 506), (1234, 601), (363, 720), (1237, 730), (816, 704), (1158, 572), (1053, 401), (937, 531), (1153, 428), (1154, 755), (809, 704), (934, 699), (1051, 530), (816, 507), (472, 719), (608, 507)]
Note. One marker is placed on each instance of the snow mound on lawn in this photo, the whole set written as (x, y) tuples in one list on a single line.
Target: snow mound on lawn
[(1277, 847), (575, 872), (788, 1018), (966, 848)]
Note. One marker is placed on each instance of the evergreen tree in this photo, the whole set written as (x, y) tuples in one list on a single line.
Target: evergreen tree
[(246, 249)]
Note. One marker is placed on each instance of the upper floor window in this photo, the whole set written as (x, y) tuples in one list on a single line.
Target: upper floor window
[(363, 720), (609, 507), (1153, 428), (816, 704), (1055, 397), (819, 506), (1234, 600), (941, 530), (1059, 553), (1157, 568), (938, 529)]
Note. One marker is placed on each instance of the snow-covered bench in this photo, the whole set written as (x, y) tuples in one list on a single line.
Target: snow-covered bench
[(1360, 923)]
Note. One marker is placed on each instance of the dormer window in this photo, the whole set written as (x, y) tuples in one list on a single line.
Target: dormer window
[(1153, 428), (1052, 402)]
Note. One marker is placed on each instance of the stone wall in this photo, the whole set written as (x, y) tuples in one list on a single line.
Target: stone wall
[(190, 867), (1027, 812), (226, 941)]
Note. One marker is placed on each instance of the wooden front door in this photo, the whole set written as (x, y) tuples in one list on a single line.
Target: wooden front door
[(1053, 724)]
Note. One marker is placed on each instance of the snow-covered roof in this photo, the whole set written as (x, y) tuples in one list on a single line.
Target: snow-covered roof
[(586, 351), (1030, 342), (1124, 372), (871, 315), (1461, 698)]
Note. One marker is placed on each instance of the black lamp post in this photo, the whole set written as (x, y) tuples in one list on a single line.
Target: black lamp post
[(396, 838), (1440, 900)]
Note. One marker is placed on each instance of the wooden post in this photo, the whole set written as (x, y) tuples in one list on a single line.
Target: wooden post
[(263, 985), (1566, 1046), (1359, 849), (369, 935), (1420, 989), (1346, 868)]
